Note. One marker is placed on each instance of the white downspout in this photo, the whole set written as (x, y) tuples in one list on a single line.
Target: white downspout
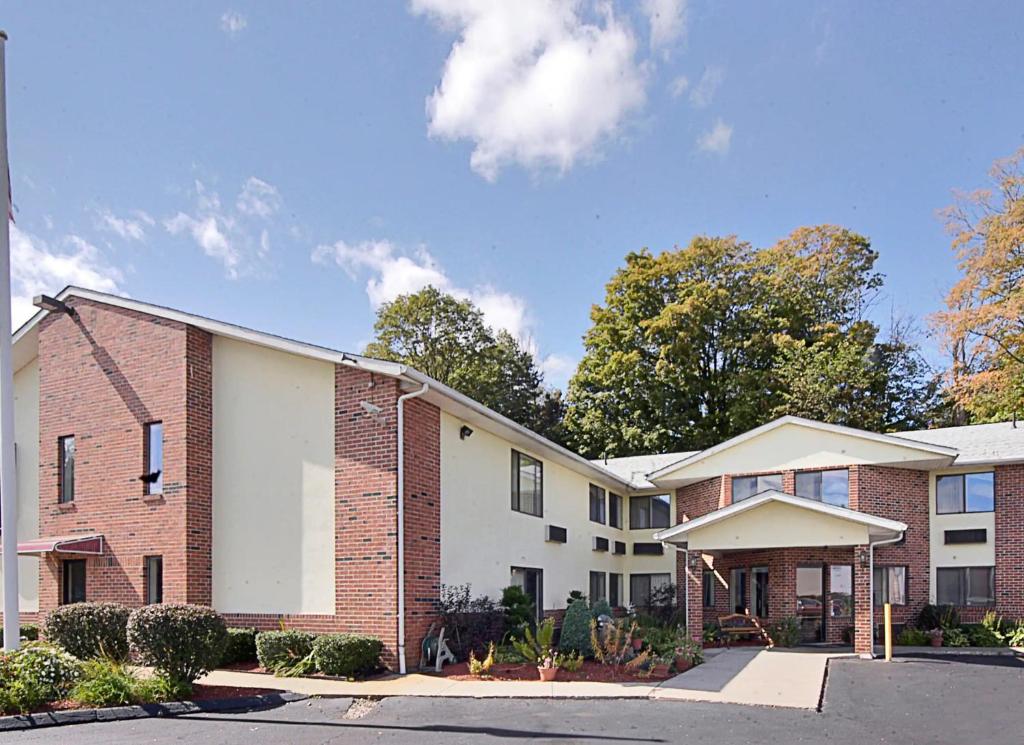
[(401, 523), (871, 582)]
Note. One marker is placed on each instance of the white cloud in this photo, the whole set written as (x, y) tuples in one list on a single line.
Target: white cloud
[(532, 82), (717, 139), (667, 19), (210, 232), (258, 198), (37, 267), (127, 228), (233, 23), (704, 92), (678, 86), (557, 369)]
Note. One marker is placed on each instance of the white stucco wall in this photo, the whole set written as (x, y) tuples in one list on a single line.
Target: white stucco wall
[(273, 481), (962, 554), (776, 525), (482, 538), (26, 441)]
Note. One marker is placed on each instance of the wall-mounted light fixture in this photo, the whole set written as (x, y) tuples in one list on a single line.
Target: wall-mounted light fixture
[(863, 557), (52, 304), (465, 432)]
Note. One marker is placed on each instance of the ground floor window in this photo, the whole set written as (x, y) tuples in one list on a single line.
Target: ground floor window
[(154, 577), (708, 588), (890, 586), (531, 581), (760, 592), (840, 591), (642, 585), (598, 590), (965, 586), (614, 590), (738, 590), (72, 581)]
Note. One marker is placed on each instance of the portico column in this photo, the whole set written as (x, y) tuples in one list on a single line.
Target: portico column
[(863, 631), (694, 595)]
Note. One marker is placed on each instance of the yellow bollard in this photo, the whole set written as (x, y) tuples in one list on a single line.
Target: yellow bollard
[(888, 632)]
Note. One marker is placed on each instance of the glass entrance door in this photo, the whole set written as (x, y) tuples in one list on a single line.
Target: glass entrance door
[(810, 603), (760, 592), (532, 583)]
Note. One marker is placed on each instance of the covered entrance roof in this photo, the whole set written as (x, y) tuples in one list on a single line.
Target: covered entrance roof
[(87, 545), (773, 519)]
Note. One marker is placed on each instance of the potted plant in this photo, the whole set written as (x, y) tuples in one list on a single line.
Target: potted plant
[(548, 667), (638, 642), (687, 654), (935, 637)]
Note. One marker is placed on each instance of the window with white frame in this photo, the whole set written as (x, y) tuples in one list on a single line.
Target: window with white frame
[(744, 487), (527, 484), (597, 504), (964, 492), (830, 487), (650, 512)]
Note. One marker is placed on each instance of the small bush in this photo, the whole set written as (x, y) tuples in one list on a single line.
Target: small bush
[(785, 632), (911, 637), (954, 637), (1015, 634), (481, 667), (534, 648), (29, 633), (90, 630), (182, 642), (938, 617), (240, 646), (277, 650), (518, 607), (112, 683), (601, 608), (346, 655), (17, 694), (35, 675), (576, 629), (571, 662)]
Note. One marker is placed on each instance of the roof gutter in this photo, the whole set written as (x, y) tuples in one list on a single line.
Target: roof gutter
[(871, 584), (401, 522)]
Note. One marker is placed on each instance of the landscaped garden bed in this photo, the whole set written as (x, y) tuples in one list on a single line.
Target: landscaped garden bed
[(590, 671)]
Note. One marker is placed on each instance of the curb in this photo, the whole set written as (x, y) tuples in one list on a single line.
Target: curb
[(145, 711)]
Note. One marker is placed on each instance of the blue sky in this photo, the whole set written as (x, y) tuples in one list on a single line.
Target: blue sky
[(290, 166)]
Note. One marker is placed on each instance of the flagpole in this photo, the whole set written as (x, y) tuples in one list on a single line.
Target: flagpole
[(8, 480)]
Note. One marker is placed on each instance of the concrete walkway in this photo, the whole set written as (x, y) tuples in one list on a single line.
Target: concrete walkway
[(741, 676)]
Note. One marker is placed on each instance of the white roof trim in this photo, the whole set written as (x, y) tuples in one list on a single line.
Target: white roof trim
[(812, 424), (382, 367), (862, 518)]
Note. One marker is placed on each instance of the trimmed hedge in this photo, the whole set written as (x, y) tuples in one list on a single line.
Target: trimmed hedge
[(240, 646), (182, 642), (90, 630), (277, 649), (29, 633), (346, 655)]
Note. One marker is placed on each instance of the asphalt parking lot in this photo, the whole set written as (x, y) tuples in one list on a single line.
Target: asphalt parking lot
[(931, 700)]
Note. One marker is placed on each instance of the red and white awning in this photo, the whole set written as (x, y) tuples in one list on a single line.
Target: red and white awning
[(87, 545)]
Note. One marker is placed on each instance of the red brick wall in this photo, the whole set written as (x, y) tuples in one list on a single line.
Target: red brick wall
[(1009, 540), (103, 375)]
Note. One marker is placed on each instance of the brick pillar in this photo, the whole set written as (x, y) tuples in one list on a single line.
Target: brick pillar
[(694, 595), (863, 633), (1009, 540)]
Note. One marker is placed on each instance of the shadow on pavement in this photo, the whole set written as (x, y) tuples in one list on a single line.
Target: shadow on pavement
[(991, 660)]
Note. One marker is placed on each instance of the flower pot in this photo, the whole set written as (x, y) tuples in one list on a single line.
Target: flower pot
[(683, 664), (660, 670), (638, 644), (547, 674), (936, 640)]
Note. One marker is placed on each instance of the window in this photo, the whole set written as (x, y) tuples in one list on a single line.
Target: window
[(967, 535), (890, 586), (964, 492), (614, 590), (615, 511), (744, 487), (66, 469), (642, 585), (153, 473), (738, 590), (759, 590), (527, 484), (154, 577), (831, 487), (597, 502), (708, 588), (531, 581), (965, 586), (597, 587), (650, 512), (840, 591), (648, 549), (72, 581)]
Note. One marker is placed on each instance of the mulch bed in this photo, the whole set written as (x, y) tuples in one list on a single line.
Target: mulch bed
[(591, 671)]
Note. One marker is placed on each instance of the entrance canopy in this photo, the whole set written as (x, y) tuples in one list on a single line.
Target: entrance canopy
[(773, 519), (86, 545)]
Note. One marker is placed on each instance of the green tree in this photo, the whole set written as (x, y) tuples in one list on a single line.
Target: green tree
[(448, 339)]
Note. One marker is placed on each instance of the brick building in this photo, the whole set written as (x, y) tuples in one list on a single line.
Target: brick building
[(166, 457)]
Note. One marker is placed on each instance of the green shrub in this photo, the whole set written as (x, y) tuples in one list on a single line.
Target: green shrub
[(988, 633), (785, 632), (954, 637), (17, 694), (601, 608), (576, 629), (239, 646), (346, 655), (34, 675), (29, 633), (1015, 634), (911, 637), (536, 648), (508, 654), (277, 650), (938, 617), (112, 683), (182, 642), (518, 607), (89, 630)]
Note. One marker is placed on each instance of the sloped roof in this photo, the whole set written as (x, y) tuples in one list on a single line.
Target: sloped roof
[(977, 443), (634, 468)]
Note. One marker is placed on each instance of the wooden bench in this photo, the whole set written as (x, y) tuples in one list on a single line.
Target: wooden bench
[(741, 624)]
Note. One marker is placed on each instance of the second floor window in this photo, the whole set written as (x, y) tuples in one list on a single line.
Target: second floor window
[(153, 477), (597, 503), (831, 487), (650, 512), (527, 484), (66, 469), (615, 510), (964, 492), (744, 487)]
